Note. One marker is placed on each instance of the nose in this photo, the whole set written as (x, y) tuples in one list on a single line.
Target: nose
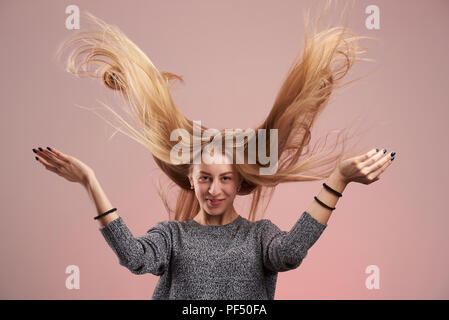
[(214, 187)]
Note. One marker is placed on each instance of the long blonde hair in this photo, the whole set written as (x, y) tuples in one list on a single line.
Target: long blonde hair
[(305, 92)]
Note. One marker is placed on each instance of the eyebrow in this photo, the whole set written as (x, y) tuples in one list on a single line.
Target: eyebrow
[(204, 172)]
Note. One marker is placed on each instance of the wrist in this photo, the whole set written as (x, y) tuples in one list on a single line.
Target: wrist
[(336, 181), (89, 178)]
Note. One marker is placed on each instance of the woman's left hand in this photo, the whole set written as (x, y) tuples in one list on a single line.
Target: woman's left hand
[(365, 168)]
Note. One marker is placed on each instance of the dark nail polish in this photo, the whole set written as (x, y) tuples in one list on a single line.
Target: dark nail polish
[(385, 151), (37, 158), (41, 149), (392, 159), (393, 153), (377, 150), (34, 151), (48, 148)]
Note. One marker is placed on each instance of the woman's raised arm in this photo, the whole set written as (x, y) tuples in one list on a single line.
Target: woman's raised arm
[(100, 200), (365, 169), (74, 170), (146, 254)]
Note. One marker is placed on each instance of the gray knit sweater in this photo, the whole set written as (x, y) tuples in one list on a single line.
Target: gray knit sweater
[(239, 260)]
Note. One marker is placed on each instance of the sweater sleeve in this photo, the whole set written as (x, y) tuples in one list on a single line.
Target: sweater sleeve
[(145, 254), (283, 251)]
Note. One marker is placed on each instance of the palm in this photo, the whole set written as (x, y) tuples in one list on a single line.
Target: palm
[(66, 166), (365, 168)]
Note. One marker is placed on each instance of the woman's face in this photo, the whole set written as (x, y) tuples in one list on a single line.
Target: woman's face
[(215, 186)]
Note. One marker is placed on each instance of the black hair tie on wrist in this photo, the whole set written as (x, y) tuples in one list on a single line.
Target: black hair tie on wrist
[(332, 190), (107, 212), (323, 204)]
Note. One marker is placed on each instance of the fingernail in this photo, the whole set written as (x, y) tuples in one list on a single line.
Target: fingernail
[(36, 158), (34, 151), (392, 159), (40, 149), (385, 150), (393, 153), (377, 150), (49, 148)]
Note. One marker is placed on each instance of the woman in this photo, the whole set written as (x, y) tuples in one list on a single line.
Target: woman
[(218, 254), (209, 251)]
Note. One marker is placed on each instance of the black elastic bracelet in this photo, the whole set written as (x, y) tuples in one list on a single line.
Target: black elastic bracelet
[(323, 204), (107, 212), (332, 190)]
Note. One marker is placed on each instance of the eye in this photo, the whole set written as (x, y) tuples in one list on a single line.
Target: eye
[(205, 177), (229, 178)]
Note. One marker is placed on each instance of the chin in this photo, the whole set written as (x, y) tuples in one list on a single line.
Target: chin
[(215, 214), (214, 211)]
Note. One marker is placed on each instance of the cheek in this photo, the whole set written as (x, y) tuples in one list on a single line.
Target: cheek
[(202, 190), (230, 190)]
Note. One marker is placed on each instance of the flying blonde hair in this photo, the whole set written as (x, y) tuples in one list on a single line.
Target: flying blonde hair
[(326, 58)]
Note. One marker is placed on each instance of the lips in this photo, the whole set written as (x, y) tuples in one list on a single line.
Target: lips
[(214, 202)]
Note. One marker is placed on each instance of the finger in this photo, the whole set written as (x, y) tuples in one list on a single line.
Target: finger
[(60, 155), (377, 173), (47, 165), (374, 158), (50, 157), (367, 155), (377, 168)]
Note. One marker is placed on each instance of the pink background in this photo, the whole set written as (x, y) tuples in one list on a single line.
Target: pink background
[(233, 56)]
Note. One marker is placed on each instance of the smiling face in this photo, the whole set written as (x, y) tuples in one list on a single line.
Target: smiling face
[(215, 186)]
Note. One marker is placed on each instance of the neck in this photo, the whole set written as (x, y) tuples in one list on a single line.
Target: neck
[(216, 220)]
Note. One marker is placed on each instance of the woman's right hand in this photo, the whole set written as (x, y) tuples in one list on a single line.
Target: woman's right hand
[(64, 165)]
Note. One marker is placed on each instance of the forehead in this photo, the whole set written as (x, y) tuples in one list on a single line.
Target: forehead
[(216, 168)]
